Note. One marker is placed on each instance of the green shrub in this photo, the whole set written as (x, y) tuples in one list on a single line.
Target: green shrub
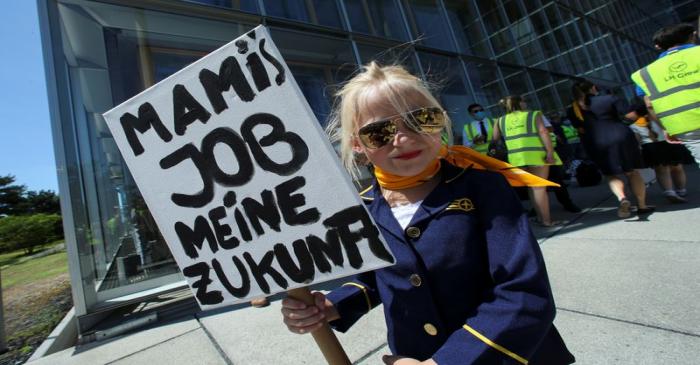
[(29, 231)]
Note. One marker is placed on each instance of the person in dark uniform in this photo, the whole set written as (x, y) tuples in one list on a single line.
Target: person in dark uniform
[(469, 285), (610, 143)]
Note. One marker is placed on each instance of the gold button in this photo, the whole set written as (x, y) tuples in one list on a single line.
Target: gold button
[(430, 329), (413, 232), (415, 280)]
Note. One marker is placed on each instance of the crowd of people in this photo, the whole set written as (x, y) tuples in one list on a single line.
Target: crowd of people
[(617, 136), (469, 285)]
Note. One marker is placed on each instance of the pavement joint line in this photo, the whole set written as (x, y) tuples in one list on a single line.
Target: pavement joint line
[(149, 347), (630, 239), (370, 353), (576, 218), (630, 322), (218, 348)]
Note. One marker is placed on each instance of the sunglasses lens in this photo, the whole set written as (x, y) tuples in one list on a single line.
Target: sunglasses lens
[(426, 120), (377, 134)]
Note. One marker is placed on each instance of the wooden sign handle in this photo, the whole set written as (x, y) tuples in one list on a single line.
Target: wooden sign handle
[(325, 338)]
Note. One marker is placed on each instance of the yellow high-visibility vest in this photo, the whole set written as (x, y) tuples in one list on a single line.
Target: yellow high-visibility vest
[(570, 134), (673, 86), (522, 138), (472, 133)]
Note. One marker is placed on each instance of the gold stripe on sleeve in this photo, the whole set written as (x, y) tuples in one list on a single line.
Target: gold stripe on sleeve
[(364, 291), (498, 347)]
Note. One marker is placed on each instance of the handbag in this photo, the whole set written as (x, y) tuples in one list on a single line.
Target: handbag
[(497, 148)]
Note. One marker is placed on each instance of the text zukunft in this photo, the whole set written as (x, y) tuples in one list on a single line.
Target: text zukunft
[(229, 233)]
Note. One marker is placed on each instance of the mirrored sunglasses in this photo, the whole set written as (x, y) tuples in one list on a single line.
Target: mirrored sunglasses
[(423, 120)]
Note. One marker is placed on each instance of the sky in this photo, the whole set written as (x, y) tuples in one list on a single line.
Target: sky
[(26, 144)]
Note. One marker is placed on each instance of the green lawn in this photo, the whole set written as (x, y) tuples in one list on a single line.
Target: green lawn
[(14, 273)]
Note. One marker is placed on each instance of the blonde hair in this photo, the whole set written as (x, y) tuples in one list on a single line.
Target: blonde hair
[(394, 82), (511, 103)]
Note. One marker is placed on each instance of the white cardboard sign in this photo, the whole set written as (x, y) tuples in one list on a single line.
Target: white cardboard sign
[(241, 180)]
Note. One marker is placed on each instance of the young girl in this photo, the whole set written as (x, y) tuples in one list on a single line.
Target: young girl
[(469, 285)]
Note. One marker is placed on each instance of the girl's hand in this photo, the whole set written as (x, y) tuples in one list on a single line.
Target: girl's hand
[(302, 318), (400, 360), (549, 159)]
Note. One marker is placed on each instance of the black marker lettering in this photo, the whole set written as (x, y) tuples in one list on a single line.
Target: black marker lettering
[(304, 273), (201, 270), (237, 145), (267, 212), (260, 77), (230, 75), (147, 118), (322, 251), (299, 149), (186, 109), (279, 79), (244, 289), (242, 226), (193, 239), (201, 198), (289, 203), (222, 230), (341, 222), (263, 267)]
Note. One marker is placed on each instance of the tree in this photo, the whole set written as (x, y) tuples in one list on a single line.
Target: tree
[(43, 201), (17, 200), (11, 196), (28, 232)]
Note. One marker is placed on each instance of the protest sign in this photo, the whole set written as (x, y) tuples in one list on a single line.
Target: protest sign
[(241, 180)]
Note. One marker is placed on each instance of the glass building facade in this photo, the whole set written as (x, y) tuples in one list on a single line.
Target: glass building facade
[(100, 53)]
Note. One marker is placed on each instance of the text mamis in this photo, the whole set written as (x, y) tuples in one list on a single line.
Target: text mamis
[(311, 253), (187, 110)]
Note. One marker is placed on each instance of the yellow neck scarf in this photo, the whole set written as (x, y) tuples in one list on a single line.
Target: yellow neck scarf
[(463, 157), (577, 110), (642, 122)]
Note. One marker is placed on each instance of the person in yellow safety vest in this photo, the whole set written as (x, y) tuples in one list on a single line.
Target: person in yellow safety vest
[(671, 85), (477, 133), (529, 147), (570, 133)]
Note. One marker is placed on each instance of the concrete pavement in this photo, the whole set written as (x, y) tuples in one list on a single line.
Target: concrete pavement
[(627, 292)]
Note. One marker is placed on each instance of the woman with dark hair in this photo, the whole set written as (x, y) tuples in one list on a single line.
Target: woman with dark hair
[(609, 142), (529, 147)]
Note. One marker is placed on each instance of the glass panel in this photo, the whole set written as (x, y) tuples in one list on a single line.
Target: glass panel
[(245, 5), (447, 73), (517, 82), (427, 24), (320, 12), (486, 84), (397, 55), (317, 63), (467, 27), (376, 17), (111, 53), (549, 102)]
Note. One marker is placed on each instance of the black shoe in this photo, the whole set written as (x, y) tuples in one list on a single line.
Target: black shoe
[(571, 207), (648, 210)]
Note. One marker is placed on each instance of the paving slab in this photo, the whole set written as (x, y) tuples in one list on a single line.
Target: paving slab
[(597, 341), (650, 282), (104, 352), (190, 348), (258, 336)]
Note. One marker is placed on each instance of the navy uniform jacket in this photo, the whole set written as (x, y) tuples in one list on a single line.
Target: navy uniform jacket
[(469, 285)]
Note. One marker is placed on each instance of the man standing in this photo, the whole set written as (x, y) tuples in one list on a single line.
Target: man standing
[(671, 85), (477, 133)]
